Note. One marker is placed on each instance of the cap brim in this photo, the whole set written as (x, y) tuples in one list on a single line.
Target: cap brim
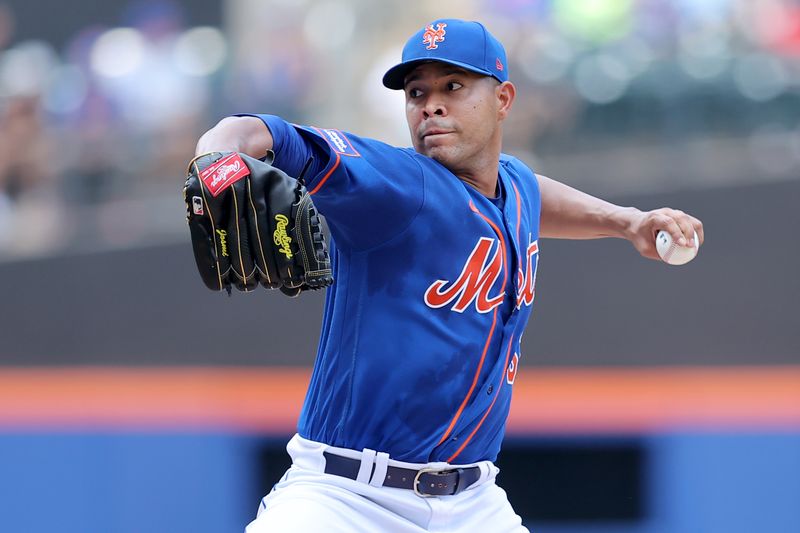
[(395, 77)]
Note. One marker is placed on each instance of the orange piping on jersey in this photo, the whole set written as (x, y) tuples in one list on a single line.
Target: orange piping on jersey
[(326, 176), (474, 381), (519, 219), (499, 387), (519, 208), (491, 330)]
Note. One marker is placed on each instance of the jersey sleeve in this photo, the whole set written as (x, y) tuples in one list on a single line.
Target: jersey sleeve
[(368, 191), (292, 148), (521, 169)]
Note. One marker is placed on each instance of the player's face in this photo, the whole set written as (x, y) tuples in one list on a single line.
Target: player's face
[(454, 115)]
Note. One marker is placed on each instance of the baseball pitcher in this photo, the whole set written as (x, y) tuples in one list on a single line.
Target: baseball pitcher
[(430, 269)]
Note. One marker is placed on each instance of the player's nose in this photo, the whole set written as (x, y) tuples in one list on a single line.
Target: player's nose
[(434, 107)]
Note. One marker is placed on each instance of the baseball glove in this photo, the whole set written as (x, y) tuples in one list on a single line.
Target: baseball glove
[(253, 224)]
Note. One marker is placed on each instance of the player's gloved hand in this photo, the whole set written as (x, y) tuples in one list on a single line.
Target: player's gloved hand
[(252, 224)]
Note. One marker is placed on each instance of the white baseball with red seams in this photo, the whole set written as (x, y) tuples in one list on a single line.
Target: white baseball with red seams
[(673, 253)]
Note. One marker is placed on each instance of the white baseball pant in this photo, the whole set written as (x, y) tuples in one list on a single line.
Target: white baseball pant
[(308, 500)]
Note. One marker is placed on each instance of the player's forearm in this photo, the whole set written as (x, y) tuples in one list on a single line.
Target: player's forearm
[(568, 213), (248, 135)]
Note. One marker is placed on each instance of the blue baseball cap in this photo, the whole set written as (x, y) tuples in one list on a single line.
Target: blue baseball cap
[(463, 43)]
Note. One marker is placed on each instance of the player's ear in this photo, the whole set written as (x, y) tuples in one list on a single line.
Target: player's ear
[(505, 93)]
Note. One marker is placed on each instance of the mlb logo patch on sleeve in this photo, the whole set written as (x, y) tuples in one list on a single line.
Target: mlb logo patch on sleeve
[(224, 173), (339, 142)]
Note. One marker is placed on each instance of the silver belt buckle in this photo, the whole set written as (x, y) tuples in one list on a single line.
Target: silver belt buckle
[(416, 481)]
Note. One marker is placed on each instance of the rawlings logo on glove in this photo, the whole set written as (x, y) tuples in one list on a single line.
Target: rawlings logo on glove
[(280, 238), (252, 224), (224, 173)]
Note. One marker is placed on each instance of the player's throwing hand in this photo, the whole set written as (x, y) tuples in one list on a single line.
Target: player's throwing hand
[(644, 225)]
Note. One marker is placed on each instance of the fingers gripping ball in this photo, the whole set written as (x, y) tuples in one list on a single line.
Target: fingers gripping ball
[(251, 224), (672, 253)]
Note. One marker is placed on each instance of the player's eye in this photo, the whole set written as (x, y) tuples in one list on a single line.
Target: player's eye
[(453, 86), (414, 93)]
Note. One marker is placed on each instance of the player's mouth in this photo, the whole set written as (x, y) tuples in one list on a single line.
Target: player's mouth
[(435, 132)]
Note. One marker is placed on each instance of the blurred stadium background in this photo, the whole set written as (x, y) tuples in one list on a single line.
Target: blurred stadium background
[(652, 399)]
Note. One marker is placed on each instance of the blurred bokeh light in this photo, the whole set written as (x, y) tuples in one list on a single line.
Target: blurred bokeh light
[(137, 82)]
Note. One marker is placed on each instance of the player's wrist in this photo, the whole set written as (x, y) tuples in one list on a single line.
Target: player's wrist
[(624, 222)]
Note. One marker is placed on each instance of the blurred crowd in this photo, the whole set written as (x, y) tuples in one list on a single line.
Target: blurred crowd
[(95, 132)]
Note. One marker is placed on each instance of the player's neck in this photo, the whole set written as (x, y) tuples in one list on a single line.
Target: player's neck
[(481, 170), (484, 184), (482, 174), (480, 167)]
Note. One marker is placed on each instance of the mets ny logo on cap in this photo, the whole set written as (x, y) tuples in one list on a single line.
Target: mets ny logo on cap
[(431, 36)]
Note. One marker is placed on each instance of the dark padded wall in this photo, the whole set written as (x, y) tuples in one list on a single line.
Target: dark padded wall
[(597, 303)]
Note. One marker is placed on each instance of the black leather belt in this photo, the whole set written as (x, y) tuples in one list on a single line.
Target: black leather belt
[(424, 482)]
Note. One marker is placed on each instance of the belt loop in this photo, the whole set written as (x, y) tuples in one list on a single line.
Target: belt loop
[(381, 466), (365, 470), (462, 482)]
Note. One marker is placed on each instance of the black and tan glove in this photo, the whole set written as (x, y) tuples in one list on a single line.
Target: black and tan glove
[(253, 224)]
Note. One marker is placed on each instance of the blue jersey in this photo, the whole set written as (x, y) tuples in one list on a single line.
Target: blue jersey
[(434, 285)]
